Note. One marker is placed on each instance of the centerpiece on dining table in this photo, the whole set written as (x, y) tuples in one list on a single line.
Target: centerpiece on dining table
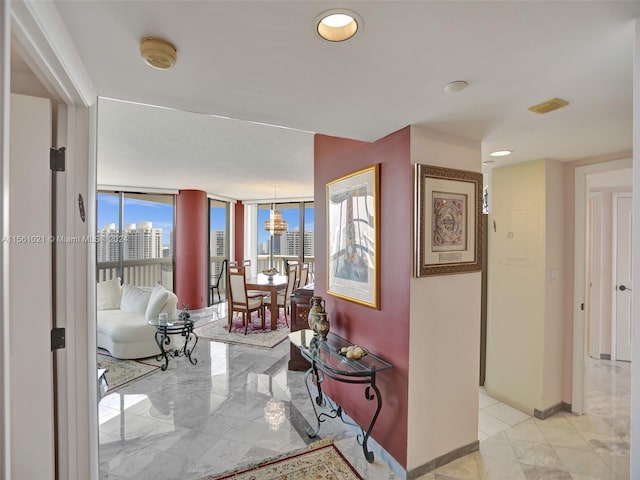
[(270, 272)]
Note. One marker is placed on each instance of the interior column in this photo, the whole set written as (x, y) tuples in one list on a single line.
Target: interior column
[(191, 248)]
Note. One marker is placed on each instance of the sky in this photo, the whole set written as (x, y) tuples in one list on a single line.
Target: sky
[(161, 215), (291, 215)]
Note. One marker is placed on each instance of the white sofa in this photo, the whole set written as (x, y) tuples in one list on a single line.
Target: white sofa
[(123, 317)]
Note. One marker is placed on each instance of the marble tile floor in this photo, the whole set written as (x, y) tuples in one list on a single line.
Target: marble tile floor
[(240, 405)]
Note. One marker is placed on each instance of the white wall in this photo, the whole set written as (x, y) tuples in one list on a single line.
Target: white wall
[(635, 362), (30, 279), (5, 357), (444, 337)]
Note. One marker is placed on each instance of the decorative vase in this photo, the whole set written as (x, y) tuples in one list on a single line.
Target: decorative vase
[(317, 306), (322, 325), (184, 315)]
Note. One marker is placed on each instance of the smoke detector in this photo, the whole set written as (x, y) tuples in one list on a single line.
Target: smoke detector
[(158, 52)]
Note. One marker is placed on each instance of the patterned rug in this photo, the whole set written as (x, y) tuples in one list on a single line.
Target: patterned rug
[(255, 337), (317, 463), (123, 372)]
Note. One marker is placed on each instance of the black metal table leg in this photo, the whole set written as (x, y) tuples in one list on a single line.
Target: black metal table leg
[(312, 432), (188, 336), (161, 339), (368, 454)]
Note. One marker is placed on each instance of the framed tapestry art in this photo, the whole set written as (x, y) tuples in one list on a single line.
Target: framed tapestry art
[(352, 237), (448, 235)]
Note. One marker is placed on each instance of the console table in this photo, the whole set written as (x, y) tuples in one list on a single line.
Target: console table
[(183, 328), (300, 305), (326, 361)]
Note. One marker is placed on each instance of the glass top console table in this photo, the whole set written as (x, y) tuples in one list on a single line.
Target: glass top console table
[(326, 360)]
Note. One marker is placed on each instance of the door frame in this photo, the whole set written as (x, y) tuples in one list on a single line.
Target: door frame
[(614, 268), (37, 29), (579, 273)]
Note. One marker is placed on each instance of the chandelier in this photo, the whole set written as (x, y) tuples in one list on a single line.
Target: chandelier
[(276, 224)]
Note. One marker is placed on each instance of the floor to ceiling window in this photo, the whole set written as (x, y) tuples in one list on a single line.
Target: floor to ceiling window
[(286, 240), (135, 237), (218, 249)]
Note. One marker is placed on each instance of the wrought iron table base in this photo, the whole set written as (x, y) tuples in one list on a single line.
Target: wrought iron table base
[(162, 338), (321, 400)]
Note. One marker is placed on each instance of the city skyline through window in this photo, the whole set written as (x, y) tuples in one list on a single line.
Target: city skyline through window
[(287, 244), (146, 231)]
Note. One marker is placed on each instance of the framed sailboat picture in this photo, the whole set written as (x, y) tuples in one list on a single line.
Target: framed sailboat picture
[(352, 236)]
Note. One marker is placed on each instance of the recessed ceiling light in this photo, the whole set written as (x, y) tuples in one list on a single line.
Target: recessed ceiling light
[(158, 52), (337, 25), (455, 86), (501, 153)]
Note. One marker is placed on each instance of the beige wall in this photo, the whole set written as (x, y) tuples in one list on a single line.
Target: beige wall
[(444, 340), (554, 281), (516, 289), (525, 326)]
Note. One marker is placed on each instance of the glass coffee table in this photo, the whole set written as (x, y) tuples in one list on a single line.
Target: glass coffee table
[(164, 331)]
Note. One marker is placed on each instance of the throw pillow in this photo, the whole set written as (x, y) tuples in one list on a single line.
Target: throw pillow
[(156, 301), (171, 306), (108, 294), (134, 299)]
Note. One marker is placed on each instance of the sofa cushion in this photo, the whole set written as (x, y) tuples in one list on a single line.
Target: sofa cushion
[(157, 299), (134, 299), (108, 294)]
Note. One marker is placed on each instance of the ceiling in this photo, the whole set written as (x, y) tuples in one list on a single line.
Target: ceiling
[(245, 67)]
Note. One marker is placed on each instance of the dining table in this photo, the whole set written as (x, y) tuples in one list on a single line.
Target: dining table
[(264, 284)]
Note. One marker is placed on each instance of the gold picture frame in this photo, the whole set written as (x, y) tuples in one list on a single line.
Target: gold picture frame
[(352, 236), (447, 226)]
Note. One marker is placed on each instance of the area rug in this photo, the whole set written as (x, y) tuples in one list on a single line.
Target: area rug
[(317, 463), (255, 337), (123, 372)]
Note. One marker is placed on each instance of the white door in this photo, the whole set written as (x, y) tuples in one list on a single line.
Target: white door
[(31, 368), (622, 265)]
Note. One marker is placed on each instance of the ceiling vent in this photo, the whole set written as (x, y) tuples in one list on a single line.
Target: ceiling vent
[(549, 105)]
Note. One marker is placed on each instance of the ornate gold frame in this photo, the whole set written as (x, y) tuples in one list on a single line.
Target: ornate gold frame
[(353, 236), (466, 186)]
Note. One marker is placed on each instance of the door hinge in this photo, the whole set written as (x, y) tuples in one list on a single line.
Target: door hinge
[(57, 159), (582, 307), (57, 338)]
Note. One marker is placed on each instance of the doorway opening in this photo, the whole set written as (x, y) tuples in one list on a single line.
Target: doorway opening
[(595, 186)]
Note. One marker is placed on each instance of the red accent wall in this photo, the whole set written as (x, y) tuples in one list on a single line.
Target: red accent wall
[(239, 229), (384, 332), (191, 248)]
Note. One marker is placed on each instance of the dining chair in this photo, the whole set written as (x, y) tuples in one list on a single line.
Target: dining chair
[(304, 275), (215, 287), (284, 296), (247, 267), (241, 301)]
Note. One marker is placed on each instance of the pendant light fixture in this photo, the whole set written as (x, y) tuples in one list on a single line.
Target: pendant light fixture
[(276, 224)]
